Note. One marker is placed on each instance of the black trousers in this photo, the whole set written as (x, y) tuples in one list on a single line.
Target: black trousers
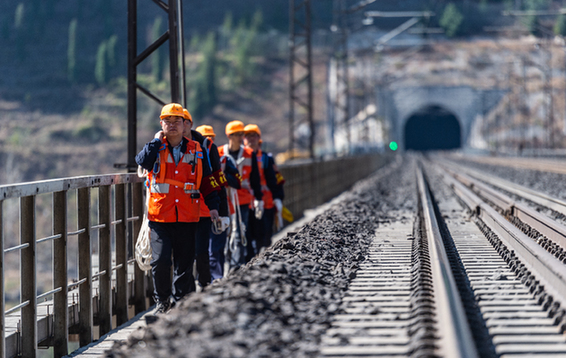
[(202, 259), (259, 232), (177, 240)]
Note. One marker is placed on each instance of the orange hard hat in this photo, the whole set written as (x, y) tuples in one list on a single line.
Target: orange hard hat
[(172, 109), (187, 115), (252, 128), (234, 127), (205, 130)]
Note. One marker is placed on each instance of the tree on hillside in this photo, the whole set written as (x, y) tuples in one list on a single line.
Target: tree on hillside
[(203, 88), (20, 29), (111, 51), (536, 4), (100, 67), (451, 20), (533, 24), (225, 31), (242, 44), (157, 64), (71, 52), (560, 26)]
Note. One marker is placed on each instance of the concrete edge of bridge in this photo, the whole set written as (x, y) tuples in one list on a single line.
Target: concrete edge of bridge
[(120, 333)]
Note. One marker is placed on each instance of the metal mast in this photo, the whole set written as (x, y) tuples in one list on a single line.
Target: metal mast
[(341, 112), (174, 34), (300, 61)]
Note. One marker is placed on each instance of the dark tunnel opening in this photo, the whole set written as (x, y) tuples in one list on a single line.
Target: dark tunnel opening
[(432, 128)]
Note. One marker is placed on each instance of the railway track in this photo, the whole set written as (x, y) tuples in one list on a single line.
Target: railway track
[(473, 273)]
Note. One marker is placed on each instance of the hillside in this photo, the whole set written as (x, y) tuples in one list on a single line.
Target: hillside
[(59, 120), (52, 126)]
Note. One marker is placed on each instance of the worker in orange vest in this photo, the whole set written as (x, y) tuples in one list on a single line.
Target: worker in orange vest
[(177, 177), (249, 195), (261, 230), (205, 223), (217, 240)]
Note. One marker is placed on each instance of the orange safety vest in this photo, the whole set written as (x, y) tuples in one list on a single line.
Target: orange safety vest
[(174, 189), (267, 196), (244, 163)]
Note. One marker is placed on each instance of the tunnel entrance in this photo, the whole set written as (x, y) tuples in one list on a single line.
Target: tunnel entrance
[(432, 128)]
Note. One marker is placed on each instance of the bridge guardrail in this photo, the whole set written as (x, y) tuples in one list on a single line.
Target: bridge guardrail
[(118, 195)]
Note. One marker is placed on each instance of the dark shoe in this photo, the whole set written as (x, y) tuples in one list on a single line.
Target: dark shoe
[(162, 307)]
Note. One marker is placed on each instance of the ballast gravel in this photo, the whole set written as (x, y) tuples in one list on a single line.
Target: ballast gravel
[(282, 301)]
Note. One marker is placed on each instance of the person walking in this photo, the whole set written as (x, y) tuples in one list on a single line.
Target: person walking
[(176, 177), (217, 242), (261, 230), (205, 224), (249, 195)]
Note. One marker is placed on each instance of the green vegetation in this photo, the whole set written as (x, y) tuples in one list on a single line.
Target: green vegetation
[(157, 63), (203, 95), (20, 30), (225, 62), (100, 67), (451, 20), (536, 4), (111, 51), (560, 26), (72, 52), (19, 17)]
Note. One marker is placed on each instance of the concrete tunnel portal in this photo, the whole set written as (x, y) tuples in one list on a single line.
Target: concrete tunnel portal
[(432, 128)]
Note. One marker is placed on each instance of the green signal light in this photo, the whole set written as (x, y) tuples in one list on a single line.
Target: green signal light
[(393, 146)]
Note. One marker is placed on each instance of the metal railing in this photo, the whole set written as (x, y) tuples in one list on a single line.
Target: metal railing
[(118, 195)]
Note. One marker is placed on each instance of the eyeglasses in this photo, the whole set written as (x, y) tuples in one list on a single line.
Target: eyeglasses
[(172, 122)]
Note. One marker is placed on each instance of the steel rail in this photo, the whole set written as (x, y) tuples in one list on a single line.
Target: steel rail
[(519, 190), (545, 266), (453, 327), (546, 226)]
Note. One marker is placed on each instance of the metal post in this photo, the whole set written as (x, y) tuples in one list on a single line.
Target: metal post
[(104, 261), (300, 37), (139, 275), (310, 118), (181, 41), (173, 52), (2, 298), (132, 78), (28, 277), (342, 100), (175, 19), (85, 268), (121, 256), (552, 137), (292, 48), (60, 279)]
